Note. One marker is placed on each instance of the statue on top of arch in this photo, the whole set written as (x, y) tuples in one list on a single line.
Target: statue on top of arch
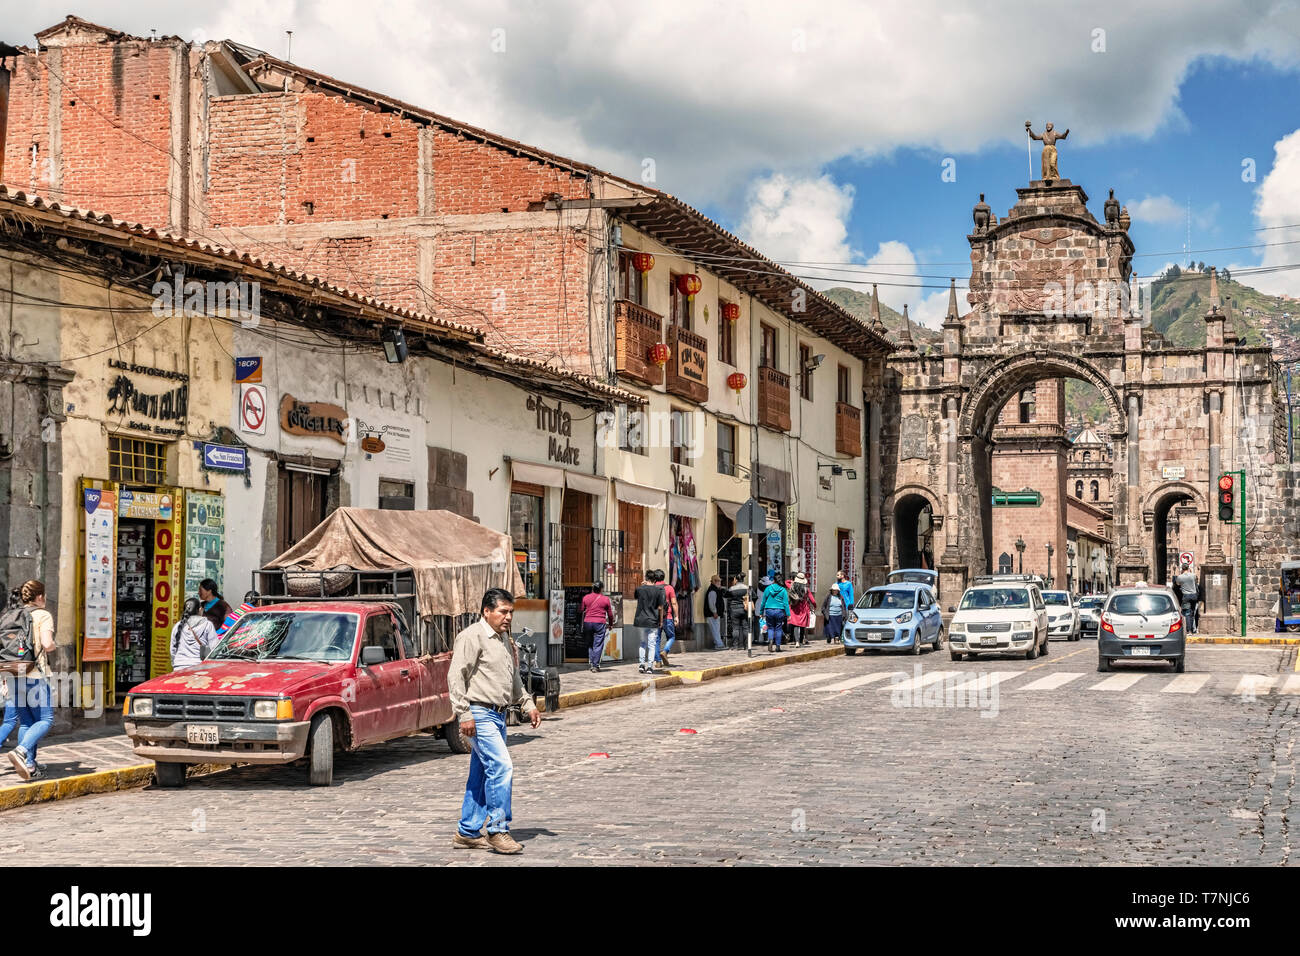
[(1048, 139)]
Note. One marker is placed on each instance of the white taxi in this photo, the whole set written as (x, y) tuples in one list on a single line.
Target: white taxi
[(1000, 614)]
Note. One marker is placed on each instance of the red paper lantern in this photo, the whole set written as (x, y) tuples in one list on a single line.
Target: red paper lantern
[(643, 262), (736, 381), (659, 354), (730, 311), (689, 285)]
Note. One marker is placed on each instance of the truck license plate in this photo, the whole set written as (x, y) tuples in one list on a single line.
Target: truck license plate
[(988, 641), (1140, 652), (202, 734)]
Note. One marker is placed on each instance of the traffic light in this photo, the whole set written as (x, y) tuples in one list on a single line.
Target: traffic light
[(1225, 498)]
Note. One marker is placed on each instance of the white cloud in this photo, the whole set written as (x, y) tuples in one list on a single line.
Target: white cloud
[(1159, 209), (1277, 211), (895, 265), (800, 221)]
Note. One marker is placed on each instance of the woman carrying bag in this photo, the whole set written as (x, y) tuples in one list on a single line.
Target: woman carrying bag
[(35, 708), (193, 637)]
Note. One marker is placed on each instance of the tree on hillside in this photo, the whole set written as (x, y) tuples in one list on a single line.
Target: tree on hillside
[(1227, 276), (1173, 272)]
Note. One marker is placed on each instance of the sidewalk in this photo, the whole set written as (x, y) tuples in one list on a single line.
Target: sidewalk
[(100, 760)]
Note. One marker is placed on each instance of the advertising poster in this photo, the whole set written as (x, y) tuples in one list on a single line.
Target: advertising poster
[(101, 530), (205, 537), (166, 599), (555, 627), (143, 504)]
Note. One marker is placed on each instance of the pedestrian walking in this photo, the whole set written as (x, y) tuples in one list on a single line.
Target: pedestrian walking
[(833, 613), (1186, 588), (670, 618), (650, 618), (714, 601), (739, 608), (597, 616), (35, 709), (801, 609), (846, 589), (193, 637), (483, 683), (215, 607), (774, 606)]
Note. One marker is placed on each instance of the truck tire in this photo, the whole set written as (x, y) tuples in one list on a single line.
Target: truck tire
[(458, 742), (169, 774), (320, 751)]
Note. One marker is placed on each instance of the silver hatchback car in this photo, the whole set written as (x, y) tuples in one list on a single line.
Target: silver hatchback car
[(1141, 623)]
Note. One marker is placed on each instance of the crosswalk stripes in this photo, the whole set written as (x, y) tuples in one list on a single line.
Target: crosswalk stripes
[(865, 679), (799, 681), (1118, 682), (1185, 684), (922, 680), (987, 678), (1292, 685), (1051, 681), (1252, 685)]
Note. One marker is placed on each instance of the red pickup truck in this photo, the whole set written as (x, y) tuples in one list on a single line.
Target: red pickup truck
[(294, 680)]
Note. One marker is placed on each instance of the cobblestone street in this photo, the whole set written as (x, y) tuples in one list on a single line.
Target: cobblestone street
[(830, 761)]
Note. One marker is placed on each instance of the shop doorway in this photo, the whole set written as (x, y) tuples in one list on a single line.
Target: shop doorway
[(730, 549), (304, 496), (135, 539)]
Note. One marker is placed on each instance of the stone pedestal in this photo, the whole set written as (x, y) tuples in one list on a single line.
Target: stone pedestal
[(1132, 566), (953, 579)]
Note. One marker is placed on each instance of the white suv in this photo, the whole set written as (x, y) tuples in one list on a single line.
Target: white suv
[(1000, 614)]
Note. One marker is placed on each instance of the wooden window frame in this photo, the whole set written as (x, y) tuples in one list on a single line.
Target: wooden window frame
[(805, 373)]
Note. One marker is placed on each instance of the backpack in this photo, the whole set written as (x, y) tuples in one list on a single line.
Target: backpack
[(16, 642)]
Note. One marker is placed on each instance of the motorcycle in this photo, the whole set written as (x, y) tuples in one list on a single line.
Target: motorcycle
[(535, 679)]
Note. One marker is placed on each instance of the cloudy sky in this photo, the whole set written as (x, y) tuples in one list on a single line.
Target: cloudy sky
[(849, 140)]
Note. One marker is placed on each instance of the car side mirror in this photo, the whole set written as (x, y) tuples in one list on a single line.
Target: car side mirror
[(951, 609), (373, 654)]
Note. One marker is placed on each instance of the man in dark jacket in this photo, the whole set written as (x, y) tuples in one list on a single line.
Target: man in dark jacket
[(714, 605)]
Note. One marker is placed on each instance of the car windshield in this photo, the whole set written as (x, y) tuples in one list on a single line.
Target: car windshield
[(1057, 597), (911, 577), (986, 599), (888, 600), (304, 635), (1091, 601), (1141, 603)]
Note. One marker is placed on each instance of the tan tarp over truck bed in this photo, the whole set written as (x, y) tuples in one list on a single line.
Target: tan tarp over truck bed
[(454, 560)]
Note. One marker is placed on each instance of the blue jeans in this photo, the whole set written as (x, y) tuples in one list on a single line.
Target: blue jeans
[(670, 628), (595, 632), (647, 651), (1189, 615), (11, 707), (715, 630), (35, 716), (487, 794), (775, 621)]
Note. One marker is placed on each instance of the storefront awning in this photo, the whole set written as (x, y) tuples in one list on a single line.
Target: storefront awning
[(728, 508), (537, 474), (590, 484), (687, 507), (640, 495)]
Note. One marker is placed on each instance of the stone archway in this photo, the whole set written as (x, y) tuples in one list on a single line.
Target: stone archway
[(915, 518), (1168, 531)]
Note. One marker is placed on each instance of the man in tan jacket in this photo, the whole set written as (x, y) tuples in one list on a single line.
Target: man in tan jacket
[(483, 682)]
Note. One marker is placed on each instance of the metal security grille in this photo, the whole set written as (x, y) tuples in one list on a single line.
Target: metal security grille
[(136, 461)]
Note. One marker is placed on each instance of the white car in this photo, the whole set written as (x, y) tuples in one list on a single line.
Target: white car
[(1062, 616), (1000, 614)]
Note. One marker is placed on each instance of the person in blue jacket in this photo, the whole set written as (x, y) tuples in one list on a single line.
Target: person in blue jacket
[(846, 589), (774, 606)]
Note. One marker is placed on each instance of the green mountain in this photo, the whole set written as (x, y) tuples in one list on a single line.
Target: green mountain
[(858, 303), (1179, 303)]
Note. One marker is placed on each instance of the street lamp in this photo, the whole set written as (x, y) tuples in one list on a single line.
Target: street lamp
[(1020, 548), (1050, 550), (1069, 576)]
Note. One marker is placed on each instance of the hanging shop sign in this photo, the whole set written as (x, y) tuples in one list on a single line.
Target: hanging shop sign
[(224, 457), (167, 593), (559, 424), (313, 419), (372, 444), (100, 583), (126, 397), (394, 441), (692, 364), (143, 504), (205, 536), (683, 484), (248, 369), (252, 409)]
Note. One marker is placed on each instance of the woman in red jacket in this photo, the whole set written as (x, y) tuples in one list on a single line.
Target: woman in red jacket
[(801, 609)]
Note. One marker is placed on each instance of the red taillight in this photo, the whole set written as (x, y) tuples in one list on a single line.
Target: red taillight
[(1106, 625), (1176, 626)]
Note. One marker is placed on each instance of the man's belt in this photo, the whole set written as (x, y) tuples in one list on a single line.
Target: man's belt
[(479, 703)]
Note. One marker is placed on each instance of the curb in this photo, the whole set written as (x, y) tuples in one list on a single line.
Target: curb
[(141, 775), (1257, 641)]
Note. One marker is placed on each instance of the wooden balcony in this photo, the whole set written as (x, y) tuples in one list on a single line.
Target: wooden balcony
[(688, 366), (848, 430), (774, 399), (637, 330)]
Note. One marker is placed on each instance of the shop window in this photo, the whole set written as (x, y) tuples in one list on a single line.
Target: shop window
[(526, 510), (680, 307), (136, 461), (726, 336), (805, 372), (396, 495), (726, 449), (631, 284), (767, 347)]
